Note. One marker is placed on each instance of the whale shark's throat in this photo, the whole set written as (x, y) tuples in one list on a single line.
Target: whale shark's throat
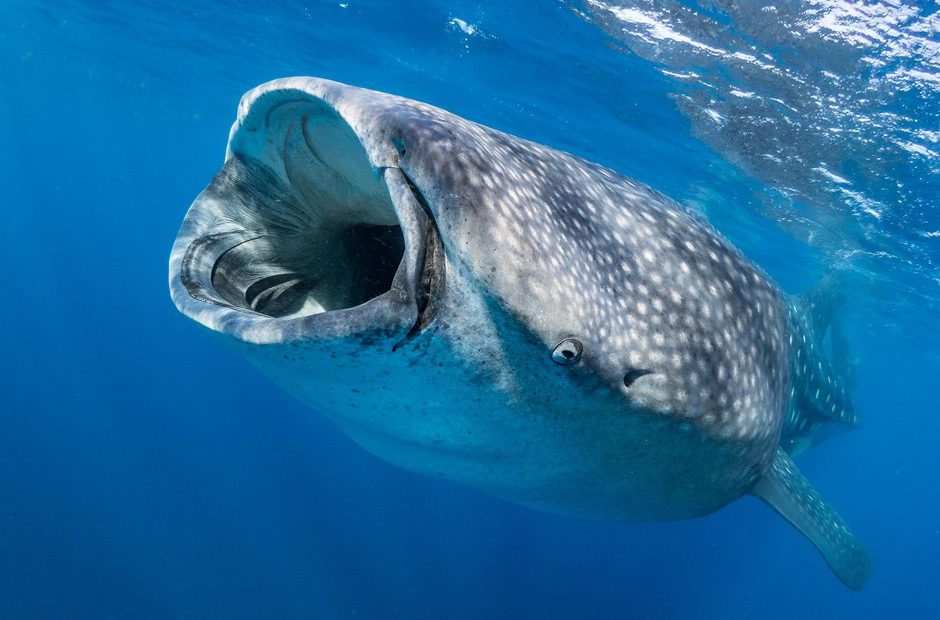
[(317, 235)]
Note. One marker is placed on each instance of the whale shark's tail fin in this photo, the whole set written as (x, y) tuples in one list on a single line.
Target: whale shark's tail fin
[(785, 489), (821, 368)]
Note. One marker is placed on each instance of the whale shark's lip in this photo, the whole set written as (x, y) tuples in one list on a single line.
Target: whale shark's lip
[(311, 241)]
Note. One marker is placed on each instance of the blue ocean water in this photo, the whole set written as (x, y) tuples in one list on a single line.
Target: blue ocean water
[(148, 472)]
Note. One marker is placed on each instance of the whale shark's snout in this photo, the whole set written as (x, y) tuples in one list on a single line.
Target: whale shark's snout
[(302, 235)]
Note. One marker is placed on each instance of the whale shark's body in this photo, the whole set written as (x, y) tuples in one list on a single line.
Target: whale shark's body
[(477, 307)]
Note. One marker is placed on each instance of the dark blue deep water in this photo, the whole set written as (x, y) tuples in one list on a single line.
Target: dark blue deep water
[(146, 471)]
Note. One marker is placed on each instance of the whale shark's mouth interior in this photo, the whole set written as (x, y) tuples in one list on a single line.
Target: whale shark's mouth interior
[(317, 230)]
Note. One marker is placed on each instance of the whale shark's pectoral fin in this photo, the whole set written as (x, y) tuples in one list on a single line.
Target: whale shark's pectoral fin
[(791, 495)]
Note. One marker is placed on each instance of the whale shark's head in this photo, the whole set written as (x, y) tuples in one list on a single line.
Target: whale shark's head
[(353, 221)]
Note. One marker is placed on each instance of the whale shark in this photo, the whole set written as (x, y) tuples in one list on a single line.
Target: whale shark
[(476, 307)]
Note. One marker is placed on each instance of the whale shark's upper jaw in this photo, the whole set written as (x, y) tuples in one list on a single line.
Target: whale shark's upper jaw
[(304, 239)]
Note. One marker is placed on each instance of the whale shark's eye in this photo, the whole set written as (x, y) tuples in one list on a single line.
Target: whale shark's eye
[(568, 351)]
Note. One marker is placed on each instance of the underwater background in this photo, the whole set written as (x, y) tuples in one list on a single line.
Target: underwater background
[(146, 471)]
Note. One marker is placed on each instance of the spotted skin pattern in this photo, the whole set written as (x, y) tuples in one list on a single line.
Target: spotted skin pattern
[(649, 286), (819, 402), (688, 371), (786, 490)]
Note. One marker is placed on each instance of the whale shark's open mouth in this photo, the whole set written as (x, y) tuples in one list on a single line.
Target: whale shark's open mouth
[(299, 223), (324, 250)]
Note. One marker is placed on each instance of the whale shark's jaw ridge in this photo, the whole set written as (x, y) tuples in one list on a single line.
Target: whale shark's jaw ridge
[(299, 236)]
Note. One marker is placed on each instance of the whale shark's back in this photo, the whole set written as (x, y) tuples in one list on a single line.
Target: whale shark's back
[(820, 402)]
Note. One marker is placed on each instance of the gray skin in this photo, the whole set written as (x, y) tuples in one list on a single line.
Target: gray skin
[(477, 307)]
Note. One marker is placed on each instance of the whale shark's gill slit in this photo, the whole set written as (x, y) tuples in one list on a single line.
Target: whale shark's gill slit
[(279, 295)]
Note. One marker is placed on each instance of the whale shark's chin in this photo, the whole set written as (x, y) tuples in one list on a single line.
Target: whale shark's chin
[(299, 236)]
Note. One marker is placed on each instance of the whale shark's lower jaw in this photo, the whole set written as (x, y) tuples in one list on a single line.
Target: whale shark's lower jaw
[(301, 238)]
